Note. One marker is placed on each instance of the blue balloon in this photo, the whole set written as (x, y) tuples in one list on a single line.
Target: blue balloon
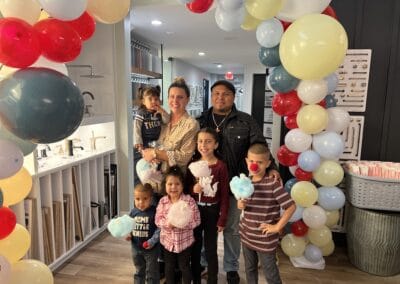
[(309, 160), (289, 184), (313, 253), (328, 144), (40, 105), (1, 198), (331, 198), (330, 101), (332, 81), (269, 56), (298, 214), (281, 81)]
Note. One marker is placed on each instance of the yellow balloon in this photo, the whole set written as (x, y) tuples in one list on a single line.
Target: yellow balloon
[(16, 187), (313, 46), (263, 9), (43, 15), (312, 119), (332, 218), (328, 248), (292, 245), (304, 193), (249, 22), (31, 271), (319, 237), (329, 173), (108, 11), (27, 10), (15, 246)]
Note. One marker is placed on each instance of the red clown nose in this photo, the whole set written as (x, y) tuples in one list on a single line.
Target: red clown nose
[(253, 167)]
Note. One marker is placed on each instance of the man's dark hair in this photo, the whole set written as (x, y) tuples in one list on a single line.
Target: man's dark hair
[(225, 83)]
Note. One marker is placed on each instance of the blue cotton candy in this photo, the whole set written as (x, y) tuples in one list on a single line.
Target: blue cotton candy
[(121, 226), (241, 187)]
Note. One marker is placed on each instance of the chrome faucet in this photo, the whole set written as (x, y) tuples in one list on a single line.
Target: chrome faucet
[(93, 141)]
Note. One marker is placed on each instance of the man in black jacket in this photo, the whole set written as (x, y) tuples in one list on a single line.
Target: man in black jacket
[(237, 131)]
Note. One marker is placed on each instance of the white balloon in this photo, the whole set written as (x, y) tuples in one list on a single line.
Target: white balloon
[(294, 9), (298, 141), (312, 91), (229, 21), (11, 159), (230, 5), (338, 119), (45, 63), (64, 9), (269, 84), (293, 169), (184, 2), (269, 33), (314, 216), (328, 144)]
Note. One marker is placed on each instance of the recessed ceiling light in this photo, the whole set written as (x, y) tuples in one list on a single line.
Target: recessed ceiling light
[(169, 33), (219, 65), (201, 53), (156, 22)]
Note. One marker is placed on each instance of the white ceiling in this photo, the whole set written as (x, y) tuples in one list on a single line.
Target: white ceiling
[(192, 33)]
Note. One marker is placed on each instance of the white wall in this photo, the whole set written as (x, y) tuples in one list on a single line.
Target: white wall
[(249, 70)]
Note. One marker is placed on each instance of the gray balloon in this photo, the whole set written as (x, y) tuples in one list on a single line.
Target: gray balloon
[(269, 56), (25, 146), (281, 81), (40, 105)]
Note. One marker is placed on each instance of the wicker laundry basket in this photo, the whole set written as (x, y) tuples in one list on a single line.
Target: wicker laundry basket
[(373, 240)]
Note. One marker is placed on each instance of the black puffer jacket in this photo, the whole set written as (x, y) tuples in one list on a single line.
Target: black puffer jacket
[(239, 131)]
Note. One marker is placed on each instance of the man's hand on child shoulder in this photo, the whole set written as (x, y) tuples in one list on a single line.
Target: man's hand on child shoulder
[(274, 174)]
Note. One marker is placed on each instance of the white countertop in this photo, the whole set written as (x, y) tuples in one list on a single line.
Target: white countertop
[(57, 163)]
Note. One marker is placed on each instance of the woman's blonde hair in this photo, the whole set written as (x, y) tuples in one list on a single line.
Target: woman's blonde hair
[(179, 82)]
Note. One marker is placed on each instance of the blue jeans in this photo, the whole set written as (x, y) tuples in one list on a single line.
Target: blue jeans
[(232, 237), (146, 264), (268, 264)]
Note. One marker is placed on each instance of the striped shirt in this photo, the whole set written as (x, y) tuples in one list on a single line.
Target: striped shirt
[(175, 239), (263, 207)]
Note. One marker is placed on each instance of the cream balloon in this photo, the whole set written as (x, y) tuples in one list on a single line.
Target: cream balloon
[(15, 245), (108, 11), (304, 193), (63, 9), (292, 245), (312, 119), (332, 218), (249, 23), (294, 9), (16, 187), (31, 271), (328, 248), (338, 119), (329, 173), (263, 9), (27, 10), (320, 237), (5, 270), (314, 217), (41, 62), (313, 47), (297, 141), (312, 91)]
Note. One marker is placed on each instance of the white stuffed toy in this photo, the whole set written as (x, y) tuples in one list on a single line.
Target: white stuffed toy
[(147, 172), (202, 172), (179, 214)]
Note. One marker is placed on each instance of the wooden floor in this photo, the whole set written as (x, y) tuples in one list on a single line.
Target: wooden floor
[(108, 260)]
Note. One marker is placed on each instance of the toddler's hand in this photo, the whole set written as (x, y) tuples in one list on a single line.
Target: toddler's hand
[(241, 204), (197, 188), (147, 245)]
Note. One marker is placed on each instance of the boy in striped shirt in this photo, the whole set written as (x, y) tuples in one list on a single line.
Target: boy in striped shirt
[(261, 222)]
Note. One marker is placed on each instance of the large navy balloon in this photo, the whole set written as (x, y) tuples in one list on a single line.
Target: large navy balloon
[(40, 104)]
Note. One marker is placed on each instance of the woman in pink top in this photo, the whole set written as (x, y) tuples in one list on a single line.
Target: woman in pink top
[(177, 242)]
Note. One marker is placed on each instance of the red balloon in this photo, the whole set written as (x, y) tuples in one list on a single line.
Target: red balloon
[(285, 24), (85, 26), (287, 103), (291, 121), (287, 157), (299, 228), (300, 174), (19, 43), (330, 12), (322, 103), (59, 41), (8, 220), (199, 6)]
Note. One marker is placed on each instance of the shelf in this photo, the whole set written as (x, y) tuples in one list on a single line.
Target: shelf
[(145, 74), (96, 119)]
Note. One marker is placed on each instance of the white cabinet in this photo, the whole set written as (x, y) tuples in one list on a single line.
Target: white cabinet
[(68, 206)]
